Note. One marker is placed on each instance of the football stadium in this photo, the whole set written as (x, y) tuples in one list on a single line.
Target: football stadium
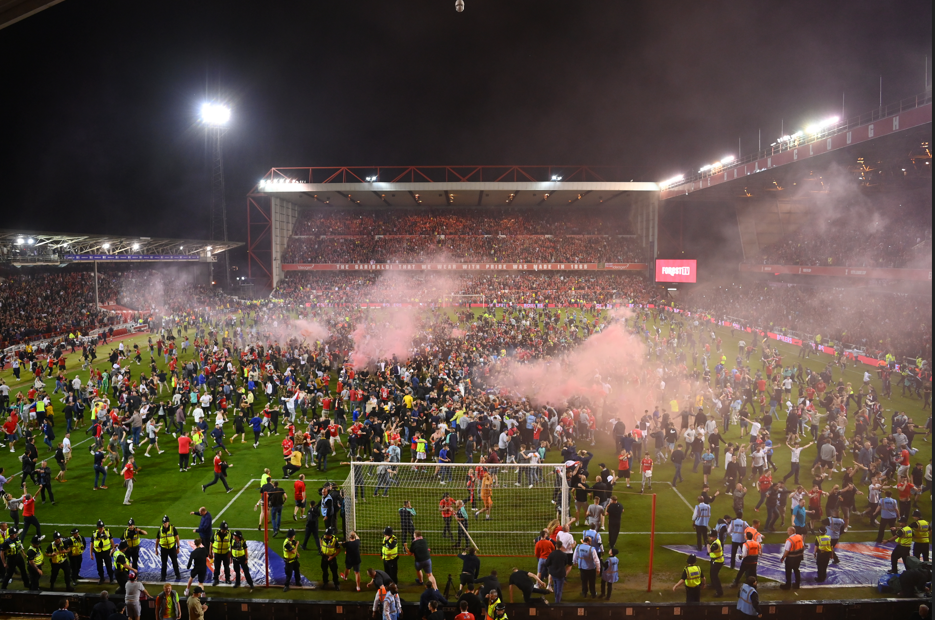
[(483, 391)]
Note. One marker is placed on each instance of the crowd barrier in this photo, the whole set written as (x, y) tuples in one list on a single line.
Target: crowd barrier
[(43, 604)]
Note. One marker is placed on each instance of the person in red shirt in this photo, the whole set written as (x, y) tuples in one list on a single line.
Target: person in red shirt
[(29, 516), (905, 488), (544, 546), (298, 491), (185, 446), (464, 613), (646, 467), (129, 470), (623, 466), (334, 435), (763, 485), (446, 508), (220, 473)]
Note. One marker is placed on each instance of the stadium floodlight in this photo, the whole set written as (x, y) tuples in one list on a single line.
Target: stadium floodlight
[(672, 181), (106, 246), (823, 125), (136, 246), (19, 241), (726, 160), (372, 179), (555, 177), (30, 241), (215, 114)]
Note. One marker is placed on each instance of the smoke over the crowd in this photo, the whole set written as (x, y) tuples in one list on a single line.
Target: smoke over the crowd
[(392, 332), (604, 368)]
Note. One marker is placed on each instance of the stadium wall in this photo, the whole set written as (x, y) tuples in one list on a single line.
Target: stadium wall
[(43, 604)]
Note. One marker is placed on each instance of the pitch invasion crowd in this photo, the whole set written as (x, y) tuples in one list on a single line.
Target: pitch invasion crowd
[(248, 377)]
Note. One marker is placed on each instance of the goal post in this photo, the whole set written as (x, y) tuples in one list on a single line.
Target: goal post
[(498, 509), (465, 299)]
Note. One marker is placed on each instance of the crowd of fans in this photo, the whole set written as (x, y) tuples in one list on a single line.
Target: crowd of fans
[(460, 221), (40, 303), (878, 322), (463, 235), (903, 239), (34, 304), (548, 287), (417, 249)]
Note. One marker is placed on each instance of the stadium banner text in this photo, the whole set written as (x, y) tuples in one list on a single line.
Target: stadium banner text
[(917, 275), (463, 266)]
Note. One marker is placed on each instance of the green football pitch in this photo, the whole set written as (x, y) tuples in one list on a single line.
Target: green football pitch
[(161, 489)]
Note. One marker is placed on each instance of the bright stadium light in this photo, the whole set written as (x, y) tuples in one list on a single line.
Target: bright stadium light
[(672, 181), (106, 246), (136, 246), (823, 125), (555, 177), (30, 241), (727, 160), (215, 114), (19, 241)]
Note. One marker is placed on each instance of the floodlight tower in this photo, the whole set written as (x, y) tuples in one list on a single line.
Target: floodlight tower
[(215, 117)]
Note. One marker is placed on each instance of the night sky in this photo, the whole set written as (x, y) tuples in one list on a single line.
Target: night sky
[(100, 99)]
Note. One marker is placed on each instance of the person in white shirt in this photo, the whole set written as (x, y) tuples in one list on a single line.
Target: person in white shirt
[(197, 414), (205, 401), (76, 383)]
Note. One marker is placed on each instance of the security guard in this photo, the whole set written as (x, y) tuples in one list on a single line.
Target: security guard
[(499, 612), (921, 536), (132, 537), (329, 558), (750, 557), (239, 554), (693, 579), (823, 553), (748, 599), (76, 552), (716, 555), (58, 556), (290, 553), (122, 564), (221, 553), (793, 552), (390, 553), (168, 541), (101, 545), (902, 536), (34, 561), (14, 556)]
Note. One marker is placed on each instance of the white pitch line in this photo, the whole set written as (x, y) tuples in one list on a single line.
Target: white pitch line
[(236, 497), (680, 495)]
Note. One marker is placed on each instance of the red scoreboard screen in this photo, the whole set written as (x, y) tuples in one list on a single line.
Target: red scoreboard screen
[(676, 270)]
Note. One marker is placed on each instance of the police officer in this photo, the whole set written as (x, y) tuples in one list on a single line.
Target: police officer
[(76, 552), (241, 559), (221, 553), (290, 553), (823, 553), (329, 558), (58, 556), (693, 579), (14, 556), (921, 536), (389, 551), (122, 564), (101, 546), (168, 541), (34, 561), (716, 555), (793, 552), (902, 536), (132, 537)]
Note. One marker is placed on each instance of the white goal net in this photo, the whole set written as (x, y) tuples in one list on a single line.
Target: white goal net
[(497, 509)]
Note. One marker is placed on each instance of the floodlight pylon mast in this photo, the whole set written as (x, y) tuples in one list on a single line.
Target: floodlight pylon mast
[(218, 204)]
